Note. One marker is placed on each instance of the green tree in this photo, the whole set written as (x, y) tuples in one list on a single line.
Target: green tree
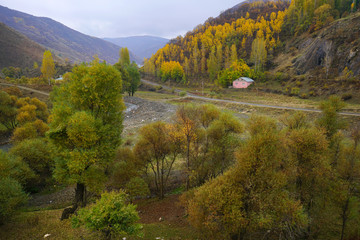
[(86, 126), (110, 215), (134, 79), (137, 187), (48, 66)]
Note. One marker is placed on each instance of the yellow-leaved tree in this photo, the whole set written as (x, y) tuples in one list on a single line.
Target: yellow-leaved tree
[(48, 66)]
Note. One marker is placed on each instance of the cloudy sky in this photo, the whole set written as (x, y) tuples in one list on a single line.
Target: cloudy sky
[(120, 18)]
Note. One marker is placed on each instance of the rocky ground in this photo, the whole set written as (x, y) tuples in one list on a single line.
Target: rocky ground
[(146, 112)]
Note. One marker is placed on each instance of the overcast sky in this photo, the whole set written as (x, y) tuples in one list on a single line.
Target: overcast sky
[(121, 18)]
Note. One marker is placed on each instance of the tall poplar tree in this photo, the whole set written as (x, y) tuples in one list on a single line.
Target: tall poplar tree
[(48, 66), (124, 56)]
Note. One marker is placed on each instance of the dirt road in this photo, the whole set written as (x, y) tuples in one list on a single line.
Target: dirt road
[(247, 103)]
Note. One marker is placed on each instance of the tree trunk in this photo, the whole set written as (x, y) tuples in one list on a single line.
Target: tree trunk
[(344, 218), (80, 200), (188, 165)]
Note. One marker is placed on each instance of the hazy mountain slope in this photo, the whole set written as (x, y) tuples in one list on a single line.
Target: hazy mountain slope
[(66, 42), (141, 46), (17, 50)]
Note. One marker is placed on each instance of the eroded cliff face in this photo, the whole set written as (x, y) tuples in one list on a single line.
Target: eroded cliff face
[(328, 50)]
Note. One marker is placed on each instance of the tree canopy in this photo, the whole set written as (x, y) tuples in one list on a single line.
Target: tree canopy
[(86, 125)]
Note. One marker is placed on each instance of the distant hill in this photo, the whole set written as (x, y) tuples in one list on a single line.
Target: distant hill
[(17, 50), (64, 41), (141, 46)]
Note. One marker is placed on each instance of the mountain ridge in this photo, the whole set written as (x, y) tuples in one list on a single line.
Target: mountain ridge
[(142, 46), (64, 41), (17, 50)]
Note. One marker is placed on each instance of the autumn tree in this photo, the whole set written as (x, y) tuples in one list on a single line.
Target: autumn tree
[(308, 151), (348, 180), (237, 69), (8, 111), (124, 56), (31, 118), (86, 126), (233, 53), (187, 121), (172, 70), (213, 65), (250, 200), (159, 146), (330, 119), (258, 53), (48, 66)]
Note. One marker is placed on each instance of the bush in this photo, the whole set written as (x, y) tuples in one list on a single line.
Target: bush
[(11, 197), (110, 215), (35, 153), (158, 87), (137, 187), (304, 96), (182, 94), (295, 91)]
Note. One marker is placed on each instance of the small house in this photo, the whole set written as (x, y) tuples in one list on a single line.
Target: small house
[(242, 82)]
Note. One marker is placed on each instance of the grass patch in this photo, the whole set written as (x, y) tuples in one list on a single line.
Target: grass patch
[(167, 231), (34, 225), (154, 95)]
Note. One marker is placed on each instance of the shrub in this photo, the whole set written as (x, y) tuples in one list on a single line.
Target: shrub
[(137, 187), (11, 197), (294, 91), (35, 153), (182, 94), (110, 215), (304, 96), (158, 87)]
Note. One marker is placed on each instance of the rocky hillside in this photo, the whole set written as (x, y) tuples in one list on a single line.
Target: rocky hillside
[(63, 41), (326, 52), (17, 50)]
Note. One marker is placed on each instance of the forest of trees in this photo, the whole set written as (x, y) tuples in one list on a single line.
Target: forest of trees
[(252, 32), (293, 178)]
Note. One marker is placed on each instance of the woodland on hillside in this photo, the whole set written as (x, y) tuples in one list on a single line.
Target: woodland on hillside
[(256, 33)]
